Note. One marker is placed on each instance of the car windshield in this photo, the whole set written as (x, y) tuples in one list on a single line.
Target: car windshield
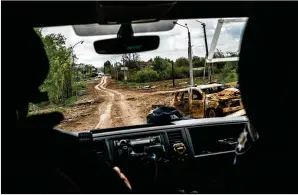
[(105, 91)]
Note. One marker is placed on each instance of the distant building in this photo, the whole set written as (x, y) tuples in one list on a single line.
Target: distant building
[(146, 65)]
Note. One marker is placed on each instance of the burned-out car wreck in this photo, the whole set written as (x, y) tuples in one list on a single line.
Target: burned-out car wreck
[(204, 101)]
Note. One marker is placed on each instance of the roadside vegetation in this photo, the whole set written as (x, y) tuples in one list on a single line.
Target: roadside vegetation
[(164, 69), (65, 79)]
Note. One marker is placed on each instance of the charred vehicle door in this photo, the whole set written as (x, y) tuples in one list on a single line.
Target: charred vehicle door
[(197, 104), (182, 101)]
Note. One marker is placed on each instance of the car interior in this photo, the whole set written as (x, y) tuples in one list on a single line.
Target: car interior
[(182, 157)]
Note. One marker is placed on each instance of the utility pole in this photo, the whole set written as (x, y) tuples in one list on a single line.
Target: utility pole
[(206, 46), (190, 59), (125, 78), (116, 73), (173, 74), (73, 60), (189, 54), (73, 64), (115, 69)]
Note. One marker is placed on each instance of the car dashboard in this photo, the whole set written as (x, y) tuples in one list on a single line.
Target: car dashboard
[(191, 155)]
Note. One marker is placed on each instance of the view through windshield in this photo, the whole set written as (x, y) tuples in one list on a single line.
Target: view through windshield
[(104, 91)]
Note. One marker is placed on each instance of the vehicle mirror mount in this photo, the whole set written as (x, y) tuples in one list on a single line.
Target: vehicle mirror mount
[(125, 31)]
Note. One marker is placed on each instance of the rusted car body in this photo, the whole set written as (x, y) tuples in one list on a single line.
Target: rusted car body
[(212, 100)]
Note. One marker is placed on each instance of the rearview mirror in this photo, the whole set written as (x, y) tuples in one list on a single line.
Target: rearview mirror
[(127, 45)]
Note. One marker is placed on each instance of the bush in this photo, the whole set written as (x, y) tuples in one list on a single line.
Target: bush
[(228, 73), (70, 101), (216, 70), (166, 74), (198, 73), (181, 72), (146, 75), (150, 75), (231, 77), (77, 86)]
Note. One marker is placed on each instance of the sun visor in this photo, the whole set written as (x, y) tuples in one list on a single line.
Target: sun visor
[(97, 29), (123, 12)]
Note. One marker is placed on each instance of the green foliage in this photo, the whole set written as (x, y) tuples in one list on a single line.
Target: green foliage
[(59, 83), (229, 73), (198, 73), (181, 72), (107, 67), (88, 71), (182, 62), (232, 77), (131, 60), (160, 64), (79, 86), (70, 101), (216, 69), (198, 62), (162, 70), (146, 75)]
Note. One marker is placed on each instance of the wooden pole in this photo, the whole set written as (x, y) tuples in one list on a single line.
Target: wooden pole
[(173, 74)]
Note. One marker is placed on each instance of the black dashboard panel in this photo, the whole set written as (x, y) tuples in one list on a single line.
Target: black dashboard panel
[(201, 151), (200, 137), (215, 139)]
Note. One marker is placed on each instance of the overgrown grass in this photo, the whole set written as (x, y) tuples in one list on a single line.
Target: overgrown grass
[(231, 77), (70, 101), (35, 109), (163, 84), (46, 107), (79, 85)]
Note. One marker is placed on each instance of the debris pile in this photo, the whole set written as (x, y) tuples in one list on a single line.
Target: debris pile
[(146, 87), (84, 102)]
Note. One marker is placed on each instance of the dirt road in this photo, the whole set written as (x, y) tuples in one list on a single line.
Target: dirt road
[(113, 107), (115, 111)]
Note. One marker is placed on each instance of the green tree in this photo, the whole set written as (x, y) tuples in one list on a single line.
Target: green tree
[(229, 72), (182, 61), (59, 82), (131, 60), (159, 64), (198, 62), (107, 67)]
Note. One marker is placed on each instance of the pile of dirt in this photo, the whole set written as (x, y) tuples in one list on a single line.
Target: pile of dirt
[(144, 102)]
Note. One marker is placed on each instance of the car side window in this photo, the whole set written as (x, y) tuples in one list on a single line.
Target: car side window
[(196, 95), (185, 96), (178, 96), (206, 91)]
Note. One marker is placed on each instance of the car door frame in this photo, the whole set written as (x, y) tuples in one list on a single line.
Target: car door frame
[(197, 107)]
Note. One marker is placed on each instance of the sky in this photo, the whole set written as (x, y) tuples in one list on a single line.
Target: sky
[(173, 43)]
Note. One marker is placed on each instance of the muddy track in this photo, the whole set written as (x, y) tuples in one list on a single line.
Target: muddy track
[(116, 110)]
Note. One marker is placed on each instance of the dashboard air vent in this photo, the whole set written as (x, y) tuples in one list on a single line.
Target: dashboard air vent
[(175, 136)]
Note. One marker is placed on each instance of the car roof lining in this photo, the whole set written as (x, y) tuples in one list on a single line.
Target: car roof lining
[(54, 13)]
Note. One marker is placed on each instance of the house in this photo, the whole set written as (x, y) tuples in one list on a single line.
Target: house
[(145, 64)]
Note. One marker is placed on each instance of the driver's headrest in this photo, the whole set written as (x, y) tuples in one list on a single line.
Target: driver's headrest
[(268, 80)]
